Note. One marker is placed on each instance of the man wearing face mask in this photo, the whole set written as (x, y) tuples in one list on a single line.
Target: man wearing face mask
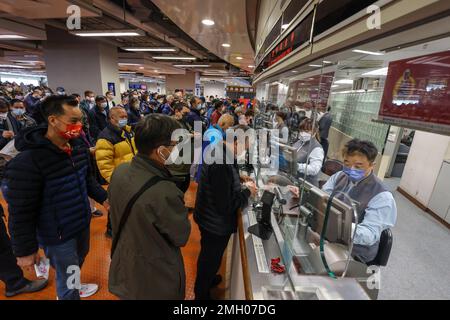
[(98, 117), (376, 206), (89, 101), (115, 145), (182, 171), (157, 225), (18, 113), (47, 186), (194, 114), (33, 100), (6, 127), (221, 193), (134, 114)]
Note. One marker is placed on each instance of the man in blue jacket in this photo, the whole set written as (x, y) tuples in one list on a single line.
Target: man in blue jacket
[(47, 186)]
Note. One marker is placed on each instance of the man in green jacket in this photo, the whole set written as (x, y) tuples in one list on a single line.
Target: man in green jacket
[(147, 263)]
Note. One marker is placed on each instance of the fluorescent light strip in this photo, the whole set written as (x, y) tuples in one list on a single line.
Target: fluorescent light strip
[(378, 72), (208, 22), (11, 36), (192, 65), (109, 33), (129, 64), (226, 45), (174, 58), (316, 65), (344, 81), (155, 49), (369, 52), (13, 66)]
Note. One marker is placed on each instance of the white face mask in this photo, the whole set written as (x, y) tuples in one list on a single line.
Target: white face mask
[(3, 115), (305, 136), (309, 113)]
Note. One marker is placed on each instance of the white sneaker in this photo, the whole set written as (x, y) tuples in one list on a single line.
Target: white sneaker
[(88, 290)]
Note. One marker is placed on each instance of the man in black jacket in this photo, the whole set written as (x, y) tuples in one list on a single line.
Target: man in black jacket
[(219, 197), (47, 186), (98, 117)]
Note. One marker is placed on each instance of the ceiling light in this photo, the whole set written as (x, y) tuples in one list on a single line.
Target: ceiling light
[(316, 65), (174, 58), (141, 68), (11, 36), (369, 52), (109, 33), (150, 49), (344, 81), (208, 22), (327, 62), (192, 65), (13, 66), (129, 64), (251, 67), (294, 71), (239, 58), (378, 72), (285, 26), (226, 45)]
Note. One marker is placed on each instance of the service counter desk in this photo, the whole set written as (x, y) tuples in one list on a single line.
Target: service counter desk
[(305, 277)]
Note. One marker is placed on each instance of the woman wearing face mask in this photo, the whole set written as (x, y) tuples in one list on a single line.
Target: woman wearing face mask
[(309, 152), (158, 223), (134, 114)]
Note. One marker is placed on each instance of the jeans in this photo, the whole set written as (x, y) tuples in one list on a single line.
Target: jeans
[(10, 273), (69, 254), (208, 263)]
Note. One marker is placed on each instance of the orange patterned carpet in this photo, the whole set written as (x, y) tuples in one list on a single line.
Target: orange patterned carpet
[(96, 267)]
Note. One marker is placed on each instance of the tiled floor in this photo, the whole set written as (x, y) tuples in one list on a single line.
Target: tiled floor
[(96, 267)]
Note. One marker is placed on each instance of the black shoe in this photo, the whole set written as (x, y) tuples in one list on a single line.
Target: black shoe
[(217, 280), (33, 286), (97, 214), (108, 234)]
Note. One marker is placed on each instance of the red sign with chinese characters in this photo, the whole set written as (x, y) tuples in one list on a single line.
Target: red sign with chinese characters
[(417, 90)]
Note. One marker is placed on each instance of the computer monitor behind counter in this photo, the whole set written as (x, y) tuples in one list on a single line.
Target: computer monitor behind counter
[(339, 226)]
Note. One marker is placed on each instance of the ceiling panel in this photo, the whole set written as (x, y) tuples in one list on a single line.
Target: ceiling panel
[(230, 26)]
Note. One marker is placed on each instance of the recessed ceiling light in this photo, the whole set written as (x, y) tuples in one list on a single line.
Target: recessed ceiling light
[(369, 52), (327, 62), (11, 36), (285, 26), (174, 58), (109, 33), (316, 65), (208, 22), (226, 45), (294, 71), (239, 58), (251, 67), (150, 49)]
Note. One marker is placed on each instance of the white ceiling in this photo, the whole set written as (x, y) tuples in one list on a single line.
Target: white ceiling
[(230, 26)]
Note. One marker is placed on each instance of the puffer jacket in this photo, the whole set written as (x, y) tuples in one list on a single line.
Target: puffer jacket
[(47, 192), (114, 147)]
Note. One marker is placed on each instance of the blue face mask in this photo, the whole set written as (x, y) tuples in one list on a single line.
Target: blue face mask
[(123, 123), (18, 112), (355, 175)]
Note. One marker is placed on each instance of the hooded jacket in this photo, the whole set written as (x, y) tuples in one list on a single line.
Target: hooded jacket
[(47, 192)]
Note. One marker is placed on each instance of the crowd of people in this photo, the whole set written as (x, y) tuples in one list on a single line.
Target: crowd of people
[(59, 151)]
